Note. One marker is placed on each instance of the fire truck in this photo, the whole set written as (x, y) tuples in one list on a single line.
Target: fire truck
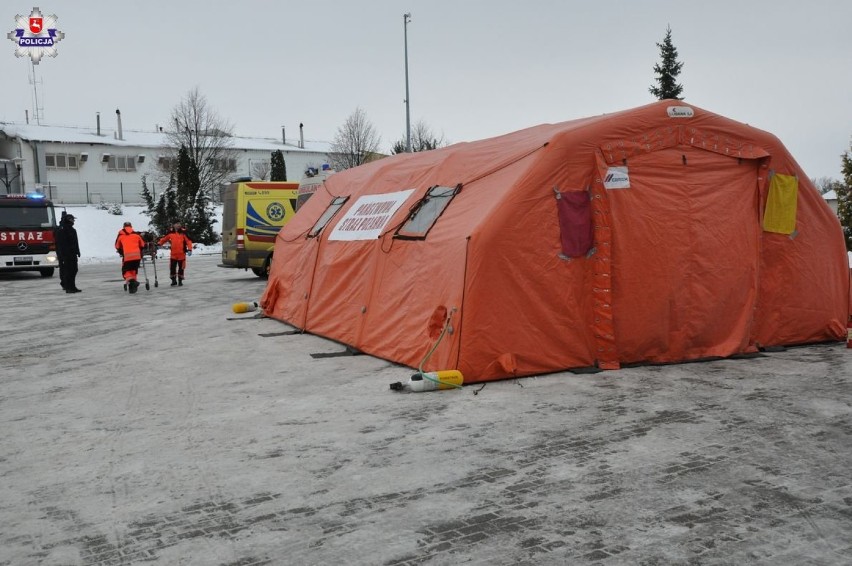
[(27, 230)]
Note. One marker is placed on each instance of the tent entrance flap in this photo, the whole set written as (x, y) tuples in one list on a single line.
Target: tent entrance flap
[(685, 255)]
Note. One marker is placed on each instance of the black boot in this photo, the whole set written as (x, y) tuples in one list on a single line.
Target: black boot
[(174, 282), (180, 282)]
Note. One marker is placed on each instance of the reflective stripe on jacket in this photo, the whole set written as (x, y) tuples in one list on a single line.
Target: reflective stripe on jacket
[(130, 244)]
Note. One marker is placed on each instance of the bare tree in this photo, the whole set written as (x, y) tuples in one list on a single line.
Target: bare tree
[(824, 184), (356, 142), (207, 138), (260, 169), (422, 139)]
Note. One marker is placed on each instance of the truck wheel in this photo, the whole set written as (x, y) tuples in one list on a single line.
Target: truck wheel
[(46, 272), (263, 271)]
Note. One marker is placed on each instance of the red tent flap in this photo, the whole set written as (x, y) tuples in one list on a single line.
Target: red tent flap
[(575, 222)]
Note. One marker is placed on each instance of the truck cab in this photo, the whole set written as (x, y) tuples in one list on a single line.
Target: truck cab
[(27, 234), (311, 181)]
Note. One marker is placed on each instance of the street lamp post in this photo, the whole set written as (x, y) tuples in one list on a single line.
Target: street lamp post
[(405, 19), (6, 180)]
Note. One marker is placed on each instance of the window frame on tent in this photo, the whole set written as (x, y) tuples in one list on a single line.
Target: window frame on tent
[(426, 212), (333, 208)]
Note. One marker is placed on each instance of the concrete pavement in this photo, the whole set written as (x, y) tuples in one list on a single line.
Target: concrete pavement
[(150, 429)]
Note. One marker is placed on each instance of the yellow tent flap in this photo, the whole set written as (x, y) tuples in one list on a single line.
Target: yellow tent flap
[(780, 214)]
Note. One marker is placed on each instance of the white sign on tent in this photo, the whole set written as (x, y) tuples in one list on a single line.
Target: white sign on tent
[(370, 214)]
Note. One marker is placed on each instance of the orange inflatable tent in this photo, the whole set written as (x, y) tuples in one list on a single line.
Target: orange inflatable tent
[(664, 233)]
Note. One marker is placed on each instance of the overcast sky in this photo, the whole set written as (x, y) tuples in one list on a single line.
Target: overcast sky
[(477, 68)]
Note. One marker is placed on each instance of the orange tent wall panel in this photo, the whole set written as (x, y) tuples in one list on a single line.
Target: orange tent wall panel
[(680, 269)]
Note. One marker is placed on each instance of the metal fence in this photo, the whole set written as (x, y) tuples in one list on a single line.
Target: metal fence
[(96, 193)]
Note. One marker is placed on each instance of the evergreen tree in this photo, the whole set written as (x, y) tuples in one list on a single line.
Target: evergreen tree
[(183, 201), (164, 214), (844, 199), (191, 204), (171, 214), (159, 215), (204, 230), (279, 168), (667, 71), (147, 197)]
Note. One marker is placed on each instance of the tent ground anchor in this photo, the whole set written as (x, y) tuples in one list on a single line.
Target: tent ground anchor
[(285, 333), (747, 356), (349, 351), (589, 369)]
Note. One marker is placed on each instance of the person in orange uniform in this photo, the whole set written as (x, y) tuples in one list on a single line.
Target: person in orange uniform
[(180, 246), (129, 245)]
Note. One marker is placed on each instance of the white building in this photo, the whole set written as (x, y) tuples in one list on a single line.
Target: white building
[(90, 165), (831, 198)]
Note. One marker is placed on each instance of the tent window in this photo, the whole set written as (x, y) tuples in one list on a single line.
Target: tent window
[(426, 212), (336, 204)]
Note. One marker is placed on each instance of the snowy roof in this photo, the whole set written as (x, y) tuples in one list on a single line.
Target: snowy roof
[(830, 195), (136, 138)]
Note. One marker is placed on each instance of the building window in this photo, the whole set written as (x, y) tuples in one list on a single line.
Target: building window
[(166, 163), (61, 161), (222, 164), (426, 212), (121, 163), (227, 164)]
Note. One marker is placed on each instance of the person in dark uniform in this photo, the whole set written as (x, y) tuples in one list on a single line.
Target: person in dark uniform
[(58, 238), (68, 251)]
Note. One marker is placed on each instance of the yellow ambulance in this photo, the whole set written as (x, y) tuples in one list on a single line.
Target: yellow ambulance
[(252, 214)]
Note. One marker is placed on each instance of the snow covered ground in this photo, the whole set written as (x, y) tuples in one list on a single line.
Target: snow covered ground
[(96, 230), (163, 429)]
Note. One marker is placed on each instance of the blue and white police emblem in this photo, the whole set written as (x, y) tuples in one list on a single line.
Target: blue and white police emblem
[(35, 36)]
